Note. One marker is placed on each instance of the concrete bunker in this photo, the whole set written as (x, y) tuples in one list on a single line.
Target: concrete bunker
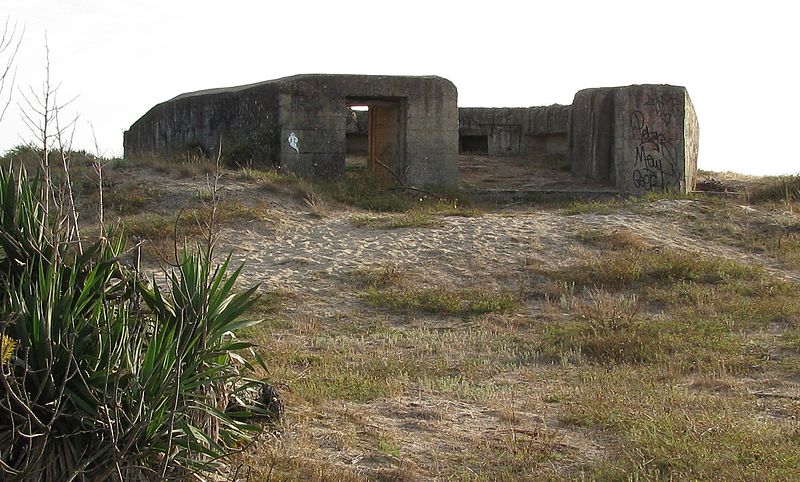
[(409, 130), (304, 124), (633, 139)]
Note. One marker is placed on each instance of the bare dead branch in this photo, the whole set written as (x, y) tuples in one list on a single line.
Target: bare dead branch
[(10, 42)]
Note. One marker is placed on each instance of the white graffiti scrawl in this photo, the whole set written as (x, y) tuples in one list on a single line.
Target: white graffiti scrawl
[(294, 142)]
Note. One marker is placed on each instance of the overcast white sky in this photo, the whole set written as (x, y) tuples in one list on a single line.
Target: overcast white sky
[(737, 59)]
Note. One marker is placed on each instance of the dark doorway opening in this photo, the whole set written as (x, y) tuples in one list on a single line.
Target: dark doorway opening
[(385, 136), (357, 136), (474, 144)]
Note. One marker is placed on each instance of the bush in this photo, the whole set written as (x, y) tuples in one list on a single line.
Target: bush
[(778, 189), (95, 386)]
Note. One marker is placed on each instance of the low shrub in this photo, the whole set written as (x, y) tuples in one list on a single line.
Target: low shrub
[(778, 189), (106, 376)]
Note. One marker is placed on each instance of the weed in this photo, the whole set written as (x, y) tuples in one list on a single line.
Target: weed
[(360, 188), (411, 219), (609, 330), (638, 268), (382, 276), (784, 189), (592, 207), (316, 207), (388, 446), (131, 199), (614, 240), (443, 301), (791, 339), (671, 432), (183, 165)]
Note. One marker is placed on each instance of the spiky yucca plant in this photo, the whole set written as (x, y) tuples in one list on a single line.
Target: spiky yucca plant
[(96, 388)]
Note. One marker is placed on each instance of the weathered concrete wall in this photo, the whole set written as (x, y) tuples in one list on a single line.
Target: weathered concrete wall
[(245, 119), (639, 138), (311, 107), (300, 122), (591, 134), (517, 130)]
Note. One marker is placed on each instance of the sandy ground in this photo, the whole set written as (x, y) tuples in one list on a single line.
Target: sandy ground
[(287, 257), (295, 252)]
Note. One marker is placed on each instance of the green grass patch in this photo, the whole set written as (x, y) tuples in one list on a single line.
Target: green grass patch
[(131, 199), (442, 301), (610, 329), (687, 312), (388, 446), (360, 188), (152, 226), (747, 305), (271, 176), (666, 431), (639, 268), (411, 219)]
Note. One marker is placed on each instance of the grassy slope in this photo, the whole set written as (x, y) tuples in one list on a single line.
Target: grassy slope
[(632, 362)]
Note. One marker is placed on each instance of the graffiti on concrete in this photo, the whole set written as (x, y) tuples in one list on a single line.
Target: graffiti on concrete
[(656, 165), (294, 142), (666, 106)]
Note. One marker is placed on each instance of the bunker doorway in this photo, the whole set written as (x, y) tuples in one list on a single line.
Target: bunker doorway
[(472, 144), (386, 133)]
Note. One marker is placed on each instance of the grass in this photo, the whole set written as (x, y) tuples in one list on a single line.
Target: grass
[(613, 240), (184, 165), (389, 447), (640, 267), (632, 361), (131, 198), (767, 228), (642, 349), (689, 311), (783, 189), (647, 351), (158, 230), (381, 276), (360, 189), (606, 207), (670, 432), (412, 219), (612, 330), (442, 301)]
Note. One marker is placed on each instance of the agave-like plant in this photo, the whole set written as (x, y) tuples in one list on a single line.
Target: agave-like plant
[(191, 359), (96, 387)]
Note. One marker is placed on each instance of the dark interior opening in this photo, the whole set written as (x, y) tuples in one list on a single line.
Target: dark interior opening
[(474, 144), (376, 136), (357, 136)]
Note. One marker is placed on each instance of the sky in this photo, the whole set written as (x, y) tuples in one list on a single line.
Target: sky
[(117, 59)]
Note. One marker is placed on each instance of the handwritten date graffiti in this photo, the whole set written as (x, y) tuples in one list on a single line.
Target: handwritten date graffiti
[(656, 157)]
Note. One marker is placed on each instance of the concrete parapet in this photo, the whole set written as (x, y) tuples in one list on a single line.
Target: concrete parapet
[(511, 131), (639, 138)]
